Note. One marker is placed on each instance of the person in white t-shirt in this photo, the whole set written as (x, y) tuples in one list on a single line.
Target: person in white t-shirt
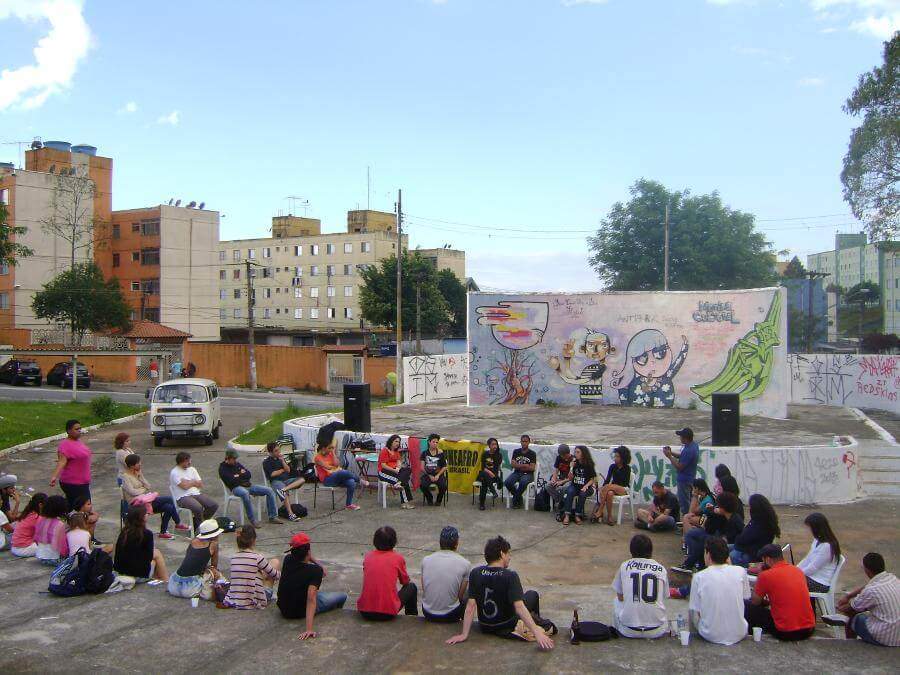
[(717, 596), (445, 579), (185, 484), (641, 584), (5, 531)]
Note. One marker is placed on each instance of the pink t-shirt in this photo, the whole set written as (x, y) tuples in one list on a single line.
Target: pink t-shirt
[(51, 532), (78, 469), (23, 535)]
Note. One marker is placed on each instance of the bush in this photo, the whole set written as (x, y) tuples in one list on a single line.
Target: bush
[(105, 408)]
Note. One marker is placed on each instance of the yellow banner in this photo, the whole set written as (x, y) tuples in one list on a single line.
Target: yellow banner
[(463, 462)]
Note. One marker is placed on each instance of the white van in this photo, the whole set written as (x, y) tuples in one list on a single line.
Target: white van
[(185, 408)]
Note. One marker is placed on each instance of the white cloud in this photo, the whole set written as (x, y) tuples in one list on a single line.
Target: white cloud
[(172, 118), (878, 18), (56, 55), (128, 109), (811, 82)]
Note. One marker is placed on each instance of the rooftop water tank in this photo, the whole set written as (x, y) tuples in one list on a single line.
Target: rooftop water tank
[(62, 146), (85, 150)]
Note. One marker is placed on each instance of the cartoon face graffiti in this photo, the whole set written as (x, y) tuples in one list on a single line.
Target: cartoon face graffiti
[(515, 325), (649, 370), (595, 347)]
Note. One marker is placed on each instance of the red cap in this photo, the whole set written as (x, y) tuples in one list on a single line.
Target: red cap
[(299, 539)]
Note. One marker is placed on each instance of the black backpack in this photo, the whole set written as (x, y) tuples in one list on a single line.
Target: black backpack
[(542, 500), (298, 509), (98, 571), (590, 631), (66, 580), (226, 523)]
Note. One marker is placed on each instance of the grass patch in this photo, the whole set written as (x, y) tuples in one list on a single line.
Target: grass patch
[(22, 421)]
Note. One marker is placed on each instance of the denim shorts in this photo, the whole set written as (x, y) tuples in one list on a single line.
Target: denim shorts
[(185, 587)]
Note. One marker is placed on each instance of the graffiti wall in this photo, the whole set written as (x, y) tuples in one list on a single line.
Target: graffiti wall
[(655, 350), (857, 380), (435, 378)]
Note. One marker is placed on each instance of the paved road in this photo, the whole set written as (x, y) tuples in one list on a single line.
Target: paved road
[(229, 399)]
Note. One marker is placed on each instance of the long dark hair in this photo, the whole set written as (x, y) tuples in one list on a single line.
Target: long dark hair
[(487, 446), (624, 453), (701, 485), (821, 530), (586, 458), (390, 441), (35, 504), (763, 514), (133, 529), (722, 471), (56, 506)]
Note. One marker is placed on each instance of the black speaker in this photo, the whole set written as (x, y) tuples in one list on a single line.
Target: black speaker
[(357, 407), (726, 419)]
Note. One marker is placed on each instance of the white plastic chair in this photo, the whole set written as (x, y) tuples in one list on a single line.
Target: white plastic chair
[(383, 488), (530, 491), (228, 497), (621, 500), (827, 598), (183, 509), (319, 486)]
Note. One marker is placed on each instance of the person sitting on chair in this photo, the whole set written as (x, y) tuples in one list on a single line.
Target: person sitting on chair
[(237, 479), (524, 463), (616, 483), (331, 475), (435, 472), (583, 476), (559, 480), (185, 484), (136, 490), (821, 562), (281, 477), (392, 471), (491, 476)]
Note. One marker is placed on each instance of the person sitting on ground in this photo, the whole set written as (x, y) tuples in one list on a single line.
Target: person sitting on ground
[(252, 576), (702, 505), (330, 473), (663, 512), (720, 472), (434, 473), (9, 497), (85, 505), (78, 537), (383, 569), (495, 594), (392, 471), (559, 480), (199, 570), (23, 544), (641, 586), (491, 475), (524, 463), (281, 477), (724, 522), (185, 485), (236, 478), (122, 445), (873, 610), (583, 477), (50, 531), (445, 578), (824, 554), (299, 594), (718, 594), (616, 483), (730, 484), (136, 490), (759, 531), (780, 602), (6, 531), (685, 462), (135, 556)]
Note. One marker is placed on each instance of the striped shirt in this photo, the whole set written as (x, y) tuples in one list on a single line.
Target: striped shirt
[(880, 598), (247, 571)]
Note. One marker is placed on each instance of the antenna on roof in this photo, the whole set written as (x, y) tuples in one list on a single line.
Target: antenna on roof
[(192, 205), (171, 201)]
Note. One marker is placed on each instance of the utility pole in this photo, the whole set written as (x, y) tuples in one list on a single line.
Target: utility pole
[(399, 388), (251, 335), (666, 253), (418, 318)]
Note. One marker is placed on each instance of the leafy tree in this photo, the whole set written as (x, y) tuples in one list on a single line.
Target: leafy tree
[(10, 251), (866, 293), (871, 174), (880, 343), (710, 245), (454, 293), (801, 333), (82, 298), (794, 269)]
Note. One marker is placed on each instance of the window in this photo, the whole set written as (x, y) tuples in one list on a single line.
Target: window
[(267, 252), (136, 285), (330, 291), (223, 314), (222, 275), (149, 256), (314, 292), (314, 313), (267, 292), (222, 294), (267, 313), (278, 290), (133, 315), (115, 262), (313, 270), (251, 253), (314, 249), (298, 251), (330, 270), (897, 305), (150, 228), (135, 227), (236, 274), (348, 270), (298, 313), (237, 293), (221, 256), (329, 249), (298, 292), (296, 281), (135, 256), (298, 271), (348, 247), (235, 254), (116, 231), (4, 300), (151, 314), (365, 247), (237, 313), (331, 312), (348, 312), (267, 273), (150, 286), (348, 291)]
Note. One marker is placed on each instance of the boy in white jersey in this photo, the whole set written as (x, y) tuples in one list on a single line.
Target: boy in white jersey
[(641, 584)]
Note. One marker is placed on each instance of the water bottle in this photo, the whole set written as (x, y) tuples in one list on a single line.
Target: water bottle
[(574, 629), (682, 623)]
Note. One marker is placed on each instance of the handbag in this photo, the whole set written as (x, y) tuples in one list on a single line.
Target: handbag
[(147, 500), (590, 631)]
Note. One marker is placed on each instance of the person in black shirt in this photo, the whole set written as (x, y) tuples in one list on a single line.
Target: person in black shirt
[(298, 591), (236, 478), (559, 480), (434, 473), (664, 512), (491, 476), (583, 477), (617, 483), (524, 462), (724, 522), (281, 478), (134, 554), (495, 593)]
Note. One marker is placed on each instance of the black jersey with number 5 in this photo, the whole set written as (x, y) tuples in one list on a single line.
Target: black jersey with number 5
[(494, 590)]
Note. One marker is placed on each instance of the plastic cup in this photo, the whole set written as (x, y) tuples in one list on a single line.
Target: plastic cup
[(685, 636), (195, 602), (673, 627), (757, 634)]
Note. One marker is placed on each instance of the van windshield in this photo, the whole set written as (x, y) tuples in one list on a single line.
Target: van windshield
[(180, 393)]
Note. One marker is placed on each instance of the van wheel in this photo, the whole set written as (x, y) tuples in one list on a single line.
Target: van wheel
[(157, 441), (208, 440), (215, 432)]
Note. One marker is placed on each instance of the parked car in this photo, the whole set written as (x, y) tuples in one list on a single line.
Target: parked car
[(185, 408), (61, 375), (17, 371)]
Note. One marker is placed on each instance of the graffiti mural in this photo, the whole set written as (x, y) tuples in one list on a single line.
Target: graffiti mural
[(655, 350), (435, 378), (857, 380)]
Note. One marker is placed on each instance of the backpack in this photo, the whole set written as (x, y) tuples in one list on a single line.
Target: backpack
[(298, 509), (226, 523), (542, 500), (590, 631), (67, 579), (97, 571)]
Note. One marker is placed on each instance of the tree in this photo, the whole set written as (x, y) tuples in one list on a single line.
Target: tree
[(871, 174), (454, 293), (801, 333), (861, 311), (794, 269), (711, 246), (866, 293), (10, 251), (71, 216), (378, 295), (83, 299)]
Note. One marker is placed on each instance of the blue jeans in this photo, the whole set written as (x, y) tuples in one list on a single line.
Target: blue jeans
[(256, 491), (329, 600), (165, 506), (684, 496), (344, 479), (739, 557), (694, 540), (575, 499), (517, 483), (858, 625)]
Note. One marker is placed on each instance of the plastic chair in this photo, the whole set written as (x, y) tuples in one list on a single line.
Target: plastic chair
[(228, 497), (318, 486), (827, 598), (531, 489), (621, 500), (433, 488), (476, 487), (183, 509)]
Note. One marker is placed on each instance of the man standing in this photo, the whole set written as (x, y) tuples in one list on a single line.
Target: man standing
[(559, 480), (298, 591), (789, 615), (495, 592), (641, 584), (523, 462), (873, 609), (685, 463), (237, 479), (280, 476), (664, 512), (445, 578), (718, 594)]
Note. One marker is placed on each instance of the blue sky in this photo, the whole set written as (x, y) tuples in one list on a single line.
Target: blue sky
[(532, 115)]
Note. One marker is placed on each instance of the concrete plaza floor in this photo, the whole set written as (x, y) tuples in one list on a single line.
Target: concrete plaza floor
[(145, 630)]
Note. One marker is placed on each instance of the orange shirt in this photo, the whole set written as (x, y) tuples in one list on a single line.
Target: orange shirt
[(328, 459), (785, 586), (389, 458)]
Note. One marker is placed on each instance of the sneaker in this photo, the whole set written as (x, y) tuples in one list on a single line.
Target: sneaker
[(481, 507), (682, 570), (182, 527), (407, 505), (280, 494), (165, 535), (836, 619), (276, 521), (675, 594), (353, 507), (293, 517)]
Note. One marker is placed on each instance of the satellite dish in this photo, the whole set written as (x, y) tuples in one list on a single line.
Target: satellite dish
[(178, 203), (202, 204)]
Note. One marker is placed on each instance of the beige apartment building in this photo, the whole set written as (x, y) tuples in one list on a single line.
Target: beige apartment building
[(306, 283)]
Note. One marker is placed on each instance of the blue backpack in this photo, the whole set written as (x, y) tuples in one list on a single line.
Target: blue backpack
[(82, 573)]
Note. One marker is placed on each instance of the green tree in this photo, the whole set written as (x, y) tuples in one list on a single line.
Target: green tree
[(866, 292), (10, 251), (83, 299), (454, 293), (794, 269), (871, 174), (860, 311), (711, 245), (378, 295), (801, 333)]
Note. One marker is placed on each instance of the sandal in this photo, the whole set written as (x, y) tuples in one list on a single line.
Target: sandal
[(565, 520), (578, 520)]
